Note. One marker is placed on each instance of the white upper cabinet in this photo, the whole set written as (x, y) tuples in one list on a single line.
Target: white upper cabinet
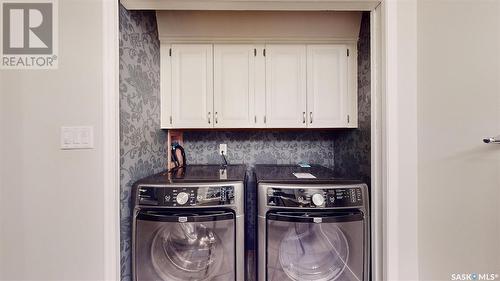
[(192, 86), (327, 81), (234, 86), (258, 86), (285, 86)]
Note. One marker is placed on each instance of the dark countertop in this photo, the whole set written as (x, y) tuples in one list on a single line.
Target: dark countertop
[(284, 174), (197, 173)]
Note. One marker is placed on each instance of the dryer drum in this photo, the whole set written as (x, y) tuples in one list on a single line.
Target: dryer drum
[(193, 249), (301, 249), (314, 252)]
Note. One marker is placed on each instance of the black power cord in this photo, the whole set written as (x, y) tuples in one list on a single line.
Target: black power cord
[(224, 158)]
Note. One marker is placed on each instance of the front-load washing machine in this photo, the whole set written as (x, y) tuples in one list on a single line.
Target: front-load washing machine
[(189, 225), (311, 225)]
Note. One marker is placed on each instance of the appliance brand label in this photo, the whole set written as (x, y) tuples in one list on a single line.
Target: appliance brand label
[(29, 34)]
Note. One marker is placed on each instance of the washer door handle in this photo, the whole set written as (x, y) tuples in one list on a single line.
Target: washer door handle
[(180, 217)]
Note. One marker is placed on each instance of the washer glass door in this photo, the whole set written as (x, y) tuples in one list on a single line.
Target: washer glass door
[(324, 246), (182, 245)]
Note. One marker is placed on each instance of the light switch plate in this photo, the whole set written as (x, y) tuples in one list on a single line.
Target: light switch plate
[(81, 137)]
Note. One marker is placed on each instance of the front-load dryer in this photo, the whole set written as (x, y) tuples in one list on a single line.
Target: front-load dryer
[(311, 226), (190, 225)]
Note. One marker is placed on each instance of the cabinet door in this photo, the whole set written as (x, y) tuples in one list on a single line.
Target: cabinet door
[(192, 86), (285, 86), (327, 95), (234, 86)]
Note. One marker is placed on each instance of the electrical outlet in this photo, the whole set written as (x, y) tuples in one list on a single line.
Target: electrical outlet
[(223, 148), (223, 174)]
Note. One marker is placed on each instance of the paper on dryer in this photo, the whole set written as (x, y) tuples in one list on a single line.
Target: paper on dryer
[(304, 175)]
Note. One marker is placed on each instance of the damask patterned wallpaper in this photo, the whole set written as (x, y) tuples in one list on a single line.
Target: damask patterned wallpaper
[(352, 147), (262, 147), (142, 147)]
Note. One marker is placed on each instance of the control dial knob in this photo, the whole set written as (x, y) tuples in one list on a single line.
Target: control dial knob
[(182, 198), (318, 199)]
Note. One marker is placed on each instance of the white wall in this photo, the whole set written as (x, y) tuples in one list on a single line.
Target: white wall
[(458, 105), (407, 139), (51, 205)]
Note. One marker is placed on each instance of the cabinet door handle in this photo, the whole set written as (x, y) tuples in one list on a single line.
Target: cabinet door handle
[(209, 117), (255, 119), (304, 117), (216, 118), (310, 117)]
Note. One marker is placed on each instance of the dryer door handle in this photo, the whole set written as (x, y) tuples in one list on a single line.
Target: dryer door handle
[(317, 217)]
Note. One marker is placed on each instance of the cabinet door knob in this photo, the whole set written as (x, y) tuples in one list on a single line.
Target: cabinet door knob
[(209, 117), (310, 117), (304, 117)]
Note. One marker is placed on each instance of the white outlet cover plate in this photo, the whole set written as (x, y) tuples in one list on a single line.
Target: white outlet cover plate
[(223, 147), (223, 174)]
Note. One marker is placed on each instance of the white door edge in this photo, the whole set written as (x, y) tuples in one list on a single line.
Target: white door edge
[(397, 191), (111, 140)]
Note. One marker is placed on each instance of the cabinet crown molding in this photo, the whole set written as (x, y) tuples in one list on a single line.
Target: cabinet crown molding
[(253, 5)]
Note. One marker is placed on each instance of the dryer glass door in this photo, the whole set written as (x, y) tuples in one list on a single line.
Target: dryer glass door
[(180, 245), (324, 246)]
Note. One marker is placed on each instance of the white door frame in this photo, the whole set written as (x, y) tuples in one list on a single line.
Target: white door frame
[(395, 222), (111, 139), (394, 158)]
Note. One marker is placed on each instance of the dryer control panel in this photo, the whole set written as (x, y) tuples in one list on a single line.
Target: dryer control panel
[(186, 196), (315, 197)]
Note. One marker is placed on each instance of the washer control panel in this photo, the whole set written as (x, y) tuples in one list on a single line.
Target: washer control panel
[(315, 197), (186, 196)]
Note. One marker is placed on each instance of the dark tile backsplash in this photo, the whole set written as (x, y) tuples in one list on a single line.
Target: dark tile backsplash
[(142, 147)]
